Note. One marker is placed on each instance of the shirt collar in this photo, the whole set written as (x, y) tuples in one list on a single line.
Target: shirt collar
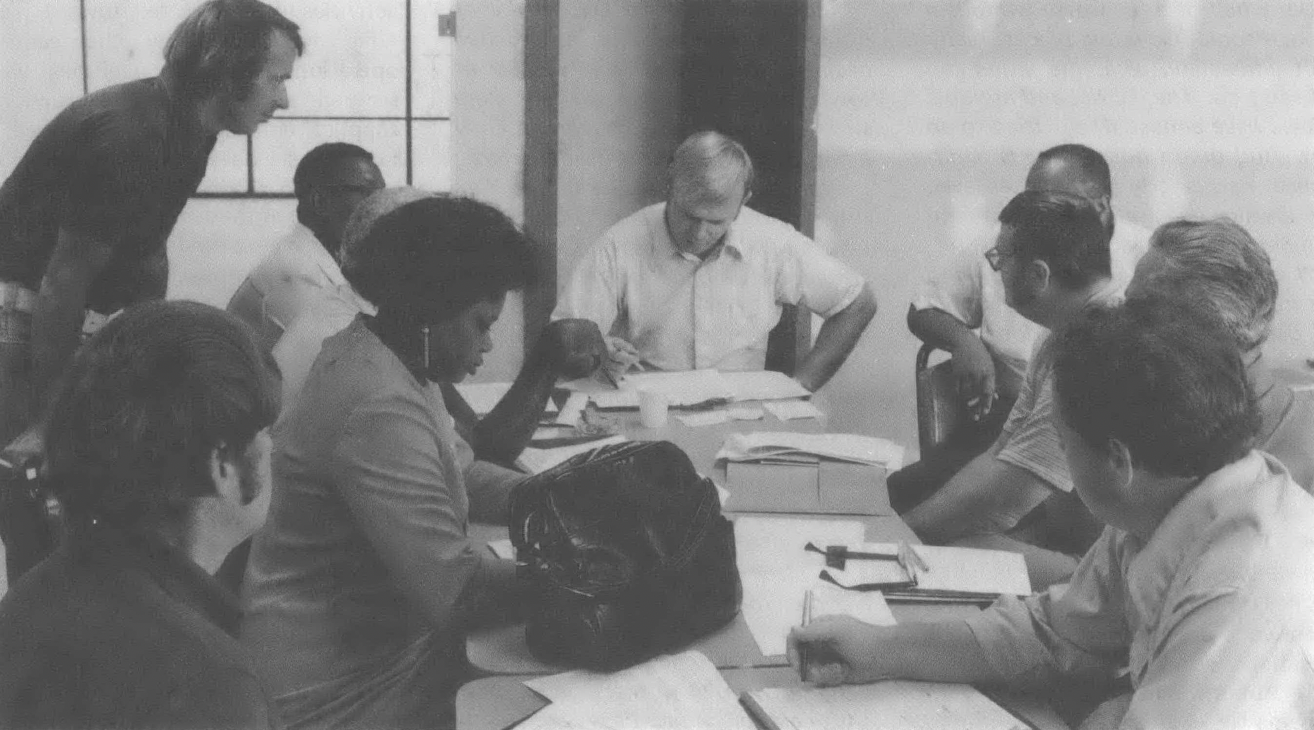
[(1155, 563), (172, 570), (307, 245), (731, 243)]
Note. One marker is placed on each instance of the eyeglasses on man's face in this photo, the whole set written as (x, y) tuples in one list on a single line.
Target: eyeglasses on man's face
[(995, 257)]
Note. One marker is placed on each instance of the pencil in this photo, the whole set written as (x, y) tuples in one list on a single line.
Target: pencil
[(803, 647)]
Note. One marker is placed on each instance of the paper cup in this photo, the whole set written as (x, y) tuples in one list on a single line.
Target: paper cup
[(652, 408)]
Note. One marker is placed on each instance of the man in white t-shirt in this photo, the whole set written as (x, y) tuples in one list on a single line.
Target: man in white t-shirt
[(963, 312), (698, 281)]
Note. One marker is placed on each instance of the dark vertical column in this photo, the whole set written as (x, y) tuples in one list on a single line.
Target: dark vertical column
[(745, 72), (542, 70)]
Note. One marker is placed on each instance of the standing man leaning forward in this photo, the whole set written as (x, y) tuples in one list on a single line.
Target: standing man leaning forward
[(86, 214), (1199, 585), (124, 625), (989, 363), (698, 281), (1053, 257)]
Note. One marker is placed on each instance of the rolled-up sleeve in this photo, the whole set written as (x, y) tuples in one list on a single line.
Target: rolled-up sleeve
[(595, 287), (488, 485), (956, 291), (813, 278), (408, 502), (1067, 630)]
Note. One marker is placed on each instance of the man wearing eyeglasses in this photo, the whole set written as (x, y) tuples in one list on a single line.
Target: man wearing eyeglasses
[(329, 182), (962, 311), (1052, 256)]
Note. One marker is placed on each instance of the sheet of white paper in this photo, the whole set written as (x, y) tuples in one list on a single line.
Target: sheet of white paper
[(537, 461), (570, 412), (683, 388), (674, 691), (844, 446), (787, 410), (776, 571), (483, 397), (898, 705), (866, 606), (553, 432), (502, 549), (763, 385), (706, 418), (950, 569), (745, 413)]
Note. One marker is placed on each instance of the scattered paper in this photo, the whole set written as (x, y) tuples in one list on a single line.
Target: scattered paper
[(674, 691), (745, 413), (707, 418), (570, 412), (502, 549), (868, 607), (787, 410), (949, 569), (763, 385), (776, 571), (842, 446), (537, 461), (897, 705)]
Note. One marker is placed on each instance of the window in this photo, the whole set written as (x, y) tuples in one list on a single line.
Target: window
[(376, 73)]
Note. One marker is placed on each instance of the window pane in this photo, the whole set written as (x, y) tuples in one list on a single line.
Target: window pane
[(431, 148), (355, 60), (125, 38), (431, 60), (281, 143), (226, 172)]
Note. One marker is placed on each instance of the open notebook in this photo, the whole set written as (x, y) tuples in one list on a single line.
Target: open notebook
[(891, 705)]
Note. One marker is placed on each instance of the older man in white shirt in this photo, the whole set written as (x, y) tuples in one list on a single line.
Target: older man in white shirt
[(698, 281), (1198, 589)]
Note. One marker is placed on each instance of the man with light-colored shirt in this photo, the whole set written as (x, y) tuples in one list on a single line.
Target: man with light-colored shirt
[(1053, 257), (330, 181), (698, 281), (1199, 586), (962, 311)]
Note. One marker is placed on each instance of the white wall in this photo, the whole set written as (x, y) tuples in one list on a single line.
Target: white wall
[(930, 114)]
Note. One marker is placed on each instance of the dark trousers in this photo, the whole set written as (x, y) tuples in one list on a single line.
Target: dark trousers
[(911, 485)]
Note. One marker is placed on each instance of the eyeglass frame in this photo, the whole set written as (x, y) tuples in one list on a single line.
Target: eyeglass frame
[(995, 257)]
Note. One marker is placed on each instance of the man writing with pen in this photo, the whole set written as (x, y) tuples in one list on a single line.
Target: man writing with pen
[(1198, 587)]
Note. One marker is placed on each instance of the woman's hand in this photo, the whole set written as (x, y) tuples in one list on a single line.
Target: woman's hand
[(575, 347)]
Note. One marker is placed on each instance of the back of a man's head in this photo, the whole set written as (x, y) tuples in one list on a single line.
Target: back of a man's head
[(1064, 231), (1161, 378), (710, 167), (1216, 264), (221, 46), (1071, 168), (145, 404), (370, 210)]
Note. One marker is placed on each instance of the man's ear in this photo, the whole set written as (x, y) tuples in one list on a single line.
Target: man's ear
[(224, 473), (1121, 462), (748, 195), (318, 201), (1037, 275)]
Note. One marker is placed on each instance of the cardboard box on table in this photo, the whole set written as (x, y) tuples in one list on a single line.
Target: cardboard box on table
[(812, 485)]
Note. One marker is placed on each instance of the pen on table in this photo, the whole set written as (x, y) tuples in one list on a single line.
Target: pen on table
[(610, 378), (803, 647)]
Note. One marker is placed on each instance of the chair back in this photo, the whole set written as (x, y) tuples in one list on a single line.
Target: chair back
[(939, 409)]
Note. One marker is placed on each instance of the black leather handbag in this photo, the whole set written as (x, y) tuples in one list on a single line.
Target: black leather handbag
[(625, 554)]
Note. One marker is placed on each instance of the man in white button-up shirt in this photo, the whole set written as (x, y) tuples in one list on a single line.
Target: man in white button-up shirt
[(698, 281), (1199, 586)]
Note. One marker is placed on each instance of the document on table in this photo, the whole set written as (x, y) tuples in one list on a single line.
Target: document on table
[(776, 571), (787, 410), (537, 461), (674, 691), (950, 570), (693, 387), (842, 446), (866, 606), (483, 397), (899, 705), (763, 385)]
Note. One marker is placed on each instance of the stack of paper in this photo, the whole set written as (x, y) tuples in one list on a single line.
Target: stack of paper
[(677, 692), (537, 461), (894, 705), (952, 575), (697, 388), (841, 446)]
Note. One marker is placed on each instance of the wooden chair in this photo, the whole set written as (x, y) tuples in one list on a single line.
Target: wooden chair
[(939, 409)]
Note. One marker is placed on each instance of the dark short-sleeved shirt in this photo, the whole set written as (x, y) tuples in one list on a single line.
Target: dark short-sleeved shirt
[(118, 631), (118, 164)]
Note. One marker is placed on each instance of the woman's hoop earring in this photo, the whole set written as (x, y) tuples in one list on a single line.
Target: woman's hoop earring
[(424, 334)]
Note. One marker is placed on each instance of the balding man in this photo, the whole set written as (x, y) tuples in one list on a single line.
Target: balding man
[(698, 281), (963, 312)]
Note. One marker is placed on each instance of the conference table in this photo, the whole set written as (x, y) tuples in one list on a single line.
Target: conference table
[(499, 699)]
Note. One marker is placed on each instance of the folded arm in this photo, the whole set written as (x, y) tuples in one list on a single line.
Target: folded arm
[(836, 339)]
